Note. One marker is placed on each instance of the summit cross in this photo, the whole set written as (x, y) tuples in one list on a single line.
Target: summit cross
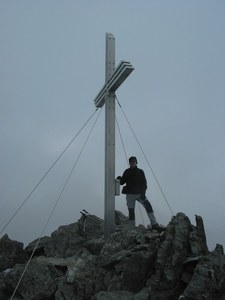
[(113, 79)]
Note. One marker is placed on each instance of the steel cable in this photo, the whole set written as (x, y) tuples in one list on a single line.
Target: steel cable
[(54, 207), (46, 173)]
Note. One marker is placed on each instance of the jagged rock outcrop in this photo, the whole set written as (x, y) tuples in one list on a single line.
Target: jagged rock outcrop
[(11, 252), (135, 263)]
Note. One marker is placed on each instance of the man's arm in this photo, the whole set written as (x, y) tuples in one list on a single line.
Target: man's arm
[(144, 181), (144, 185), (123, 179)]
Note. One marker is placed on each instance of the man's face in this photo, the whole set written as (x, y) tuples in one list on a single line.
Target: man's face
[(133, 163)]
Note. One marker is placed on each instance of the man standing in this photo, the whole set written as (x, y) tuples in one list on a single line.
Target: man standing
[(135, 188)]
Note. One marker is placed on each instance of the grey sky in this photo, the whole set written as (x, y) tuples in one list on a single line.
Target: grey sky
[(52, 65)]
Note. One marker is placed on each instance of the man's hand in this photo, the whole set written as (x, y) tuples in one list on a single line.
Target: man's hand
[(118, 177)]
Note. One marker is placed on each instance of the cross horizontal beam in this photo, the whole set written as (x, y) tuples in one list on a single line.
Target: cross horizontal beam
[(118, 77)]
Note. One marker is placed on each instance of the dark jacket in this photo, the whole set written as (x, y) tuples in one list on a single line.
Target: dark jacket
[(135, 181)]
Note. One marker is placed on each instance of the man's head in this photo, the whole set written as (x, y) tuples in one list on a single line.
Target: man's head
[(133, 161)]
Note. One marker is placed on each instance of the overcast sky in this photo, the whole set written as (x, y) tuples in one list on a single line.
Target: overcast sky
[(52, 65)]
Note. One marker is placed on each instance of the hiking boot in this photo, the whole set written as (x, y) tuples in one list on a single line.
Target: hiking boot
[(158, 227)]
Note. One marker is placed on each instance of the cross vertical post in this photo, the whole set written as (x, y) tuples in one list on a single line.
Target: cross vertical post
[(109, 139), (113, 79)]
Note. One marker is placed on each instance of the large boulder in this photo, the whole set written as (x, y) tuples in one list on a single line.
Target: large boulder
[(11, 252), (208, 280), (67, 240), (172, 252), (38, 281)]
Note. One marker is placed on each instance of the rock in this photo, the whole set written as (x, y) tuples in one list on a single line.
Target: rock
[(76, 263), (172, 252), (41, 246), (95, 245), (118, 295), (208, 280), (189, 265), (38, 281), (123, 295), (11, 252), (65, 291), (198, 238), (63, 242)]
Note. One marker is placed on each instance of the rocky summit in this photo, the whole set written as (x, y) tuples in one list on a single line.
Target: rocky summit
[(135, 263)]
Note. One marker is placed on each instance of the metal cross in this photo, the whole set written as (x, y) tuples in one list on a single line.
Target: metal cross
[(113, 79)]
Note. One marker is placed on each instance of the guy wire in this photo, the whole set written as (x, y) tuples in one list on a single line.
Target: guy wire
[(54, 207), (46, 173)]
